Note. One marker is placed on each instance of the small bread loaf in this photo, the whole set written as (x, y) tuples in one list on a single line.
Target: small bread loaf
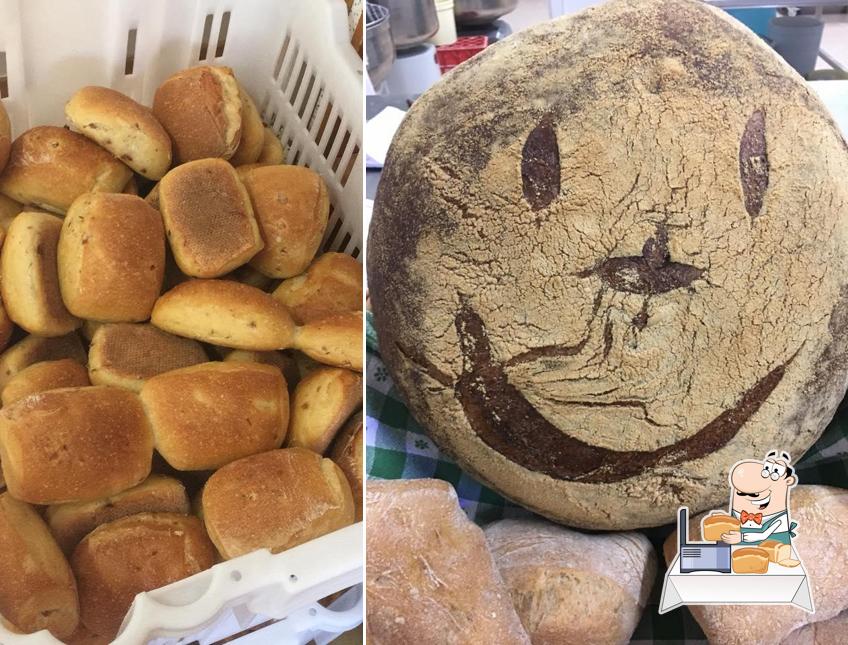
[(70, 523), (111, 257), (335, 340), (5, 137), (347, 452), (252, 132), (292, 206), (331, 285), (320, 404), (37, 588), (35, 349), (125, 128), (126, 355), (431, 578), (44, 376), (275, 500), (200, 108), (208, 218), (138, 553), (822, 516), (714, 526), (569, 587), (74, 444), (283, 361), (777, 551), (750, 559), (208, 415), (226, 313), (30, 284), (272, 149), (50, 167)]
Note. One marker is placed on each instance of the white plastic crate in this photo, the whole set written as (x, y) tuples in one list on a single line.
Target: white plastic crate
[(294, 58)]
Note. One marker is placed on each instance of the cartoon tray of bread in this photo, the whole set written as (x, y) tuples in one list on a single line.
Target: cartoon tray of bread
[(708, 573)]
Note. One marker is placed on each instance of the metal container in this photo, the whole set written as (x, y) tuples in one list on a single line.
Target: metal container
[(413, 21), (379, 47), (481, 12)]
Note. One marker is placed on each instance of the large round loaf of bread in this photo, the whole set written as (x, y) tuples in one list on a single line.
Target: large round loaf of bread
[(608, 258)]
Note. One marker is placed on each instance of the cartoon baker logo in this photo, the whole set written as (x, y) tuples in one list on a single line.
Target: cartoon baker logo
[(746, 555)]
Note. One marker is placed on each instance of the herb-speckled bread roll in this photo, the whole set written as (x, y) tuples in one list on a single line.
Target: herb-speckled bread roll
[(320, 405), (569, 587), (47, 375), (332, 284), (608, 254), (333, 340), (35, 349)]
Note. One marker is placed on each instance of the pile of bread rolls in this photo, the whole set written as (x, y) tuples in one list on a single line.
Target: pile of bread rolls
[(178, 357)]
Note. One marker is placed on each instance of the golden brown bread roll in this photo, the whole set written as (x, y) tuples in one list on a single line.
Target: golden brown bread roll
[(243, 169), (37, 588), (126, 355), (44, 376), (272, 149), (35, 349), (348, 453), (138, 553), (208, 415), (715, 525), (30, 284), (334, 340), (50, 167), (320, 404), (252, 132), (152, 197), (125, 128), (70, 523), (292, 205), (5, 137), (102, 446), (275, 500), (111, 257), (200, 108), (208, 218), (246, 274), (749, 559), (9, 208), (224, 313), (331, 285), (6, 325), (283, 361)]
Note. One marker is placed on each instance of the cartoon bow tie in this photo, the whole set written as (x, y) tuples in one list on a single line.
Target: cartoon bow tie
[(744, 516)]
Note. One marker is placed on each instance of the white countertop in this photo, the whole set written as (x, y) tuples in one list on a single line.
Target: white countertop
[(834, 94)]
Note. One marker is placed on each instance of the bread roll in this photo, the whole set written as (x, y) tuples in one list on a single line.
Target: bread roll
[(30, 284), (749, 559), (331, 285), (200, 108), (292, 206), (272, 149), (9, 208), (283, 361), (822, 516), (246, 274), (125, 128), (35, 349), (102, 446), (714, 526), (37, 588), (320, 404), (225, 313), (275, 500), (6, 325), (208, 218), (777, 551), (568, 587), (152, 197), (252, 132), (208, 415), (44, 376), (431, 578), (243, 170), (138, 553), (70, 523), (111, 258), (5, 137), (348, 453), (132, 187), (84, 636), (126, 355), (50, 167), (334, 340)]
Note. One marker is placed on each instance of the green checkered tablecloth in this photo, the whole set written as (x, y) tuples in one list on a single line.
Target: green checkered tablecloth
[(398, 448)]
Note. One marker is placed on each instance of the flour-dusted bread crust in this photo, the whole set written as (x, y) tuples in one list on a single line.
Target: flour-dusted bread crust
[(569, 587), (50, 167), (125, 128), (47, 375), (609, 252), (822, 516), (431, 578)]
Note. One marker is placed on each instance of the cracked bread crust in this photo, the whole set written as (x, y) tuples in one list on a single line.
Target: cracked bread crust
[(621, 266)]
